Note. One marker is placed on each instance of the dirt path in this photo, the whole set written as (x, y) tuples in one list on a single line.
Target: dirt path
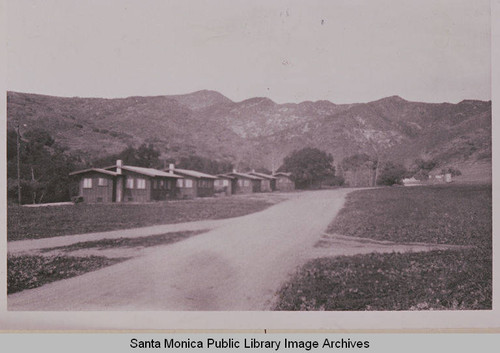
[(236, 266)]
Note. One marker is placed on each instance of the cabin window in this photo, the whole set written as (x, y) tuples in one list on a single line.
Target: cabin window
[(246, 182), (87, 183), (102, 182), (188, 183), (141, 183), (179, 183), (162, 182), (225, 182), (130, 183)]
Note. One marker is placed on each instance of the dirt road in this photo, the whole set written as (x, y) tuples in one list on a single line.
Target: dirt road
[(237, 266)]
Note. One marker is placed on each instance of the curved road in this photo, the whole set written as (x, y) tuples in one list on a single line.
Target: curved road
[(238, 266)]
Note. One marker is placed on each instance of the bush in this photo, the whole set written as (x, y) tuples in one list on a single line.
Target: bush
[(391, 174)]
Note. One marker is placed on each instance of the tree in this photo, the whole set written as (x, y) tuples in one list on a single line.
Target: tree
[(144, 156), (391, 174), (356, 166), (309, 166), (44, 168), (205, 165), (422, 167)]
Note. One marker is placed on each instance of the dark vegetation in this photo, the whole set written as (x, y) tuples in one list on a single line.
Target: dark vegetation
[(309, 167), (441, 280), (391, 174), (44, 168), (44, 222), (359, 170), (27, 271), (146, 242), (459, 215), (434, 280)]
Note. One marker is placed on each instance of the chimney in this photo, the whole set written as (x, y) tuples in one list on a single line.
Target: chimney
[(234, 170), (119, 165), (253, 170), (171, 167)]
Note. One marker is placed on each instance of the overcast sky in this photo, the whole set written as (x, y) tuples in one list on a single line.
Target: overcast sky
[(290, 51)]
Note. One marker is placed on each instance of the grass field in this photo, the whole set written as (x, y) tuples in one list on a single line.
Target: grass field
[(435, 280), (44, 222), (27, 271), (458, 215)]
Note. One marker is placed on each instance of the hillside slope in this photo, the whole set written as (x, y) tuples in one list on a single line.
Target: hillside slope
[(259, 132)]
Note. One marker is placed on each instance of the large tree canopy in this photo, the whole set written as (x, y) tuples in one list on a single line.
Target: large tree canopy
[(309, 167), (146, 155), (44, 168), (205, 165), (391, 174)]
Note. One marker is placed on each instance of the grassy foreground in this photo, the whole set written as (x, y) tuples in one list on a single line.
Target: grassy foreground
[(435, 280), (44, 222), (438, 214), (27, 271)]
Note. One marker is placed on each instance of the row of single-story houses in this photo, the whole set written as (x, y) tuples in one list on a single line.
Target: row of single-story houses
[(124, 183)]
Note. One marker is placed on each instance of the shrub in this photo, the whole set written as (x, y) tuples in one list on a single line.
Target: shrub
[(391, 174)]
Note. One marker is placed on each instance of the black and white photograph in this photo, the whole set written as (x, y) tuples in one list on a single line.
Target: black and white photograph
[(248, 164)]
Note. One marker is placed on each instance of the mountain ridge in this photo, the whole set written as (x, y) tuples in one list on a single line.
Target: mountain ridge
[(258, 132)]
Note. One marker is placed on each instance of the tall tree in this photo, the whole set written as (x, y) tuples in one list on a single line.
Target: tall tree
[(355, 166), (44, 168), (309, 166)]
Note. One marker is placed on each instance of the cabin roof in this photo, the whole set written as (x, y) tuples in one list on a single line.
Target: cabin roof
[(244, 175), (225, 176), (262, 175), (145, 171), (97, 170), (283, 174), (150, 171), (194, 173)]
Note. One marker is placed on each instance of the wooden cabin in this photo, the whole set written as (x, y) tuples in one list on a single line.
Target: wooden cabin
[(268, 182), (284, 181), (124, 183), (193, 183), (224, 184), (245, 183)]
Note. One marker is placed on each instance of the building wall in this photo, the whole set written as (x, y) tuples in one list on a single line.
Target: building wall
[(243, 186), (162, 188), (185, 192), (132, 190), (265, 185), (205, 187), (97, 193), (284, 184), (223, 186)]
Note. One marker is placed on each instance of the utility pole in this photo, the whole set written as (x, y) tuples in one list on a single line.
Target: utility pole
[(18, 167)]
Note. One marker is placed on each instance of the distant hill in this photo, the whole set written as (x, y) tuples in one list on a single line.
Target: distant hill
[(257, 132)]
